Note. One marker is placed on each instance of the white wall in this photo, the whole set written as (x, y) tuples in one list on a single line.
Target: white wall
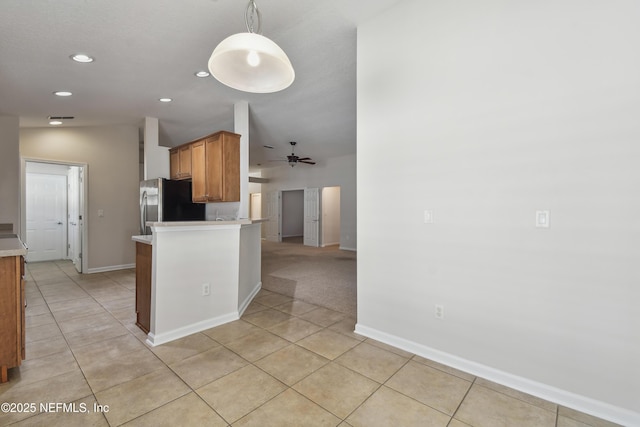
[(10, 172), (111, 154), (490, 111), (336, 171)]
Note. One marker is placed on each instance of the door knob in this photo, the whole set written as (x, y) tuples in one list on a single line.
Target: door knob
[(59, 222)]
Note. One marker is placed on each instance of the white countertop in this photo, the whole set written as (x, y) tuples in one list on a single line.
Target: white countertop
[(201, 223), (10, 245), (146, 239)]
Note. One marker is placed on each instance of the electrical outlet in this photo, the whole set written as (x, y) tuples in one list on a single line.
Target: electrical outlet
[(439, 311), (542, 219), (205, 290)]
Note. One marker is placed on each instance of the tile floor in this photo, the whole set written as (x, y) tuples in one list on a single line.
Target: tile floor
[(285, 363)]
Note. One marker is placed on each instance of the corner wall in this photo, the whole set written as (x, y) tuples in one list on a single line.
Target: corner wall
[(10, 172), (111, 154), (488, 113)]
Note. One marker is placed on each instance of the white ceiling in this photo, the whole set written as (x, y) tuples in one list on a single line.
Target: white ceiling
[(148, 49)]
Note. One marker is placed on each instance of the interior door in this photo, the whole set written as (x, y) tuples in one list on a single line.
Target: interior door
[(46, 215), (312, 217), (273, 216), (74, 216)]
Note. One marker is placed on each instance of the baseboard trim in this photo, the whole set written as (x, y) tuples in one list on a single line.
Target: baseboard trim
[(345, 248), (110, 268), (157, 339), (565, 398), (243, 306)]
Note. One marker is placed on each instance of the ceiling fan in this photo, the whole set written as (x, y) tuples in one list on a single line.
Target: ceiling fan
[(293, 159)]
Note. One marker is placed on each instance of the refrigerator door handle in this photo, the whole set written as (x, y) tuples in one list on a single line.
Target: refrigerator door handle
[(143, 212)]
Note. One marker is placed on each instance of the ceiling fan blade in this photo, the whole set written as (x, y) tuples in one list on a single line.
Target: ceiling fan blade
[(304, 158), (307, 162)]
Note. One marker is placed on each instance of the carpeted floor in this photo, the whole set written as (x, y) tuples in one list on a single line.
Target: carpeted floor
[(322, 276)]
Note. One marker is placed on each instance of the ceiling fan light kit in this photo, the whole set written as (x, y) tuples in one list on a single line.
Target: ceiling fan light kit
[(251, 62)]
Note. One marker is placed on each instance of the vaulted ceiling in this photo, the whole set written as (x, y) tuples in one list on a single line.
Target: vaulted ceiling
[(148, 49)]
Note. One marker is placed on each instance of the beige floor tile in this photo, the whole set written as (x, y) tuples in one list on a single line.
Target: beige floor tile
[(128, 302), (254, 307), (107, 349), (568, 417), (73, 304), (61, 388), (35, 370), (544, 404), (291, 364), (485, 407), (328, 343), (273, 299), (457, 423), (37, 349), (91, 321), (103, 372), (110, 293), (266, 318), (83, 337), (388, 347), (235, 395), (387, 407), (42, 332), (294, 329), (231, 331), (346, 327), (124, 315), (34, 300), (141, 395), (323, 316), (372, 362), (40, 319), (80, 414), (257, 345), (337, 389), (35, 310), (80, 310), (208, 366), (430, 386), (183, 348), (449, 370), (288, 409), (188, 410), (296, 307)]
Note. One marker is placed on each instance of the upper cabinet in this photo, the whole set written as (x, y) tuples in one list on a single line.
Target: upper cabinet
[(218, 169), (180, 162), (213, 167)]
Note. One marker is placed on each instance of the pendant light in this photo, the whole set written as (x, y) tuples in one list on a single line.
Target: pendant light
[(251, 62)]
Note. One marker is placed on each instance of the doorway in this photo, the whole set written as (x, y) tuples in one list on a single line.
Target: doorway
[(54, 195), (309, 216)]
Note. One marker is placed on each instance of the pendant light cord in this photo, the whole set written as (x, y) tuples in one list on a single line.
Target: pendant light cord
[(250, 17)]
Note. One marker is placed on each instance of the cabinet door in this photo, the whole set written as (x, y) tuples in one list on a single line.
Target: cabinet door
[(198, 172), (231, 174), (143, 286), (185, 161), (174, 163), (214, 168)]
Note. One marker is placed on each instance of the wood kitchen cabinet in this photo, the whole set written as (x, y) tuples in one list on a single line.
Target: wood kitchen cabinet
[(216, 168), (143, 286), (180, 162), (12, 307)]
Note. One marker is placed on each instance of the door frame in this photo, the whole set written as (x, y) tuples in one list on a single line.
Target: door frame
[(84, 195)]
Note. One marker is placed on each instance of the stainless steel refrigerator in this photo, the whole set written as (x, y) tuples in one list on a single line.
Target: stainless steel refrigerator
[(166, 200)]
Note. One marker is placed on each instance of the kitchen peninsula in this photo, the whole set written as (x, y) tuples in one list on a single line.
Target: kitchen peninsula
[(198, 275)]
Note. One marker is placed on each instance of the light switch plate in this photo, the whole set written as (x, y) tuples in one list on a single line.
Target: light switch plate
[(542, 219), (428, 217)]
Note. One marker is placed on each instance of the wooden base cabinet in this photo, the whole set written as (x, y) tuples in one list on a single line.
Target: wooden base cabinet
[(12, 307), (143, 286)]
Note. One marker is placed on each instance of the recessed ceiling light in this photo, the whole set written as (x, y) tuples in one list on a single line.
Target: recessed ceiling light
[(55, 122), (165, 99), (81, 57), (62, 93), (202, 74)]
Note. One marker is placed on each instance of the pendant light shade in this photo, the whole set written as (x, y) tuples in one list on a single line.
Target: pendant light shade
[(251, 62)]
